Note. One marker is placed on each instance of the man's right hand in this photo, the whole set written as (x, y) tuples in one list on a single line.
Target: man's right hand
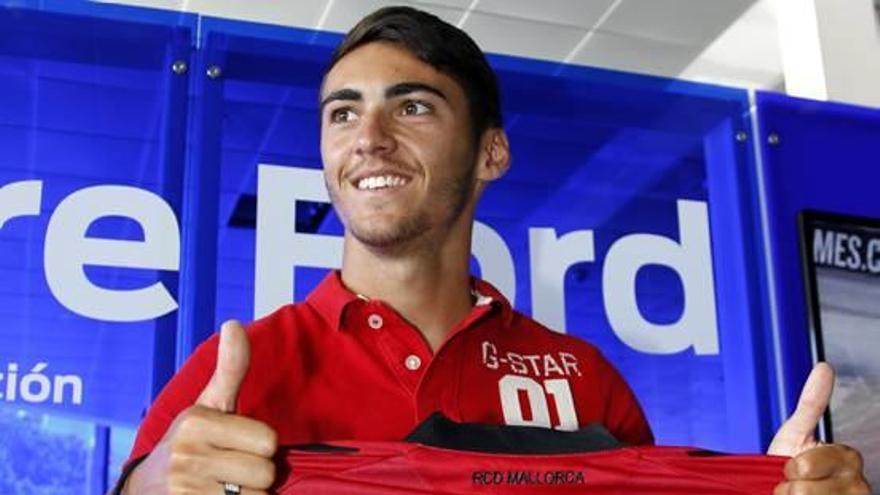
[(207, 444)]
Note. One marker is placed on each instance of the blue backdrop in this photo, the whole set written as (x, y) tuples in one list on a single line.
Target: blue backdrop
[(86, 101), (814, 156)]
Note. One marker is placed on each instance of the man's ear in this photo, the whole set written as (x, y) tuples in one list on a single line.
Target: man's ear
[(493, 158)]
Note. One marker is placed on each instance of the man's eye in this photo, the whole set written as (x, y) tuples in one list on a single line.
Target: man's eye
[(415, 108), (341, 115)]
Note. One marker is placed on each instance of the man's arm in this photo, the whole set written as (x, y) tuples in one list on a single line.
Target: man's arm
[(206, 444), (814, 467)]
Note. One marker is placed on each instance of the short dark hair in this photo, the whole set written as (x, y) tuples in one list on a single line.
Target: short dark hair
[(440, 45)]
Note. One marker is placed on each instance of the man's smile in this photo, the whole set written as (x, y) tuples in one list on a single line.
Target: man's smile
[(378, 182), (379, 179)]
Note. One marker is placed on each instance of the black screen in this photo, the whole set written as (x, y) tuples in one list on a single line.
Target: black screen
[(842, 266)]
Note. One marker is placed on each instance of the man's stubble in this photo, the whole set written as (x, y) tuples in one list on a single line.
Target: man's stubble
[(408, 231)]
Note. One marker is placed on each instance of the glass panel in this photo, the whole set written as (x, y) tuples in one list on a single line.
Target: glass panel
[(89, 166), (269, 108), (822, 158), (631, 162), (610, 163), (89, 250)]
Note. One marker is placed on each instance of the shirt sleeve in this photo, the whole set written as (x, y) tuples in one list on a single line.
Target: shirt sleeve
[(623, 416)]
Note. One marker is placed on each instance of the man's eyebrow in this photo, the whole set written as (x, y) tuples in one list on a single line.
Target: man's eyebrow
[(405, 88), (345, 94)]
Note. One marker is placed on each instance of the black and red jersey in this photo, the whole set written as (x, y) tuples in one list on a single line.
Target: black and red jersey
[(512, 460)]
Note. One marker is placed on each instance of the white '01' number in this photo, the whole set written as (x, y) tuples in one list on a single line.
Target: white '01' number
[(510, 387)]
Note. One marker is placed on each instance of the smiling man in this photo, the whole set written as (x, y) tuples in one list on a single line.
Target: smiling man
[(411, 134)]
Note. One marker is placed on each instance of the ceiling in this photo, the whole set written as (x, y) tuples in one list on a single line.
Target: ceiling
[(729, 42)]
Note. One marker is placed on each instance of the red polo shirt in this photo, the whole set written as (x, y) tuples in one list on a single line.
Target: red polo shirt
[(340, 367)]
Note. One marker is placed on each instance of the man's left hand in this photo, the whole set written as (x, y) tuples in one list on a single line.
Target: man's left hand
[(815, 467)]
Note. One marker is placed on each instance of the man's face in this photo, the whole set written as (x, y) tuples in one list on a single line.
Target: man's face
[(397, 145)]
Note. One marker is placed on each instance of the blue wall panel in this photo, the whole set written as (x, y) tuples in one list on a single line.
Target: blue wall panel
[(87, 101), (824, 158)]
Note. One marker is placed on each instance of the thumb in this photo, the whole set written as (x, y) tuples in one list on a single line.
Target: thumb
[(233, 359), (798, 433)]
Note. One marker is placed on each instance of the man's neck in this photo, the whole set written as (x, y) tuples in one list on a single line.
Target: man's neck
[(430, 288)]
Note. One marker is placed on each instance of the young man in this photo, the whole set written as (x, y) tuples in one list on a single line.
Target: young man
[(410, 136)]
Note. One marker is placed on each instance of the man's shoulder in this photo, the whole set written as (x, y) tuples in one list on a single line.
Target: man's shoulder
[(294, 319), (527, 327), (520, 326)]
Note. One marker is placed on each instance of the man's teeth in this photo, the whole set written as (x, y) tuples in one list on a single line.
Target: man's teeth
[(380, 182)]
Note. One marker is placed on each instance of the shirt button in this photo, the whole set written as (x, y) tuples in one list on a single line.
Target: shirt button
[(412, 362), (375, 321)]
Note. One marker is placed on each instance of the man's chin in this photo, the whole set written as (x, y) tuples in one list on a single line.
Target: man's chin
[(387, 238)]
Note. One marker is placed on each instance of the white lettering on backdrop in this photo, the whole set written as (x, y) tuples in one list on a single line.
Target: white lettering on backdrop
[(280, 249)]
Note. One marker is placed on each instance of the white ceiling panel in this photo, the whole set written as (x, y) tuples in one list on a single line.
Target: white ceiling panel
[(344, 14), (686, 22), (297, 13), (284, 12), (745, 54), (578, 13), (615, 51), (521, 37), (158, 4), (721, 41), (719, 72), (456, 4)]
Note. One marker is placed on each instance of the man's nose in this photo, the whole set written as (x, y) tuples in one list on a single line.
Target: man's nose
[(374, 135)]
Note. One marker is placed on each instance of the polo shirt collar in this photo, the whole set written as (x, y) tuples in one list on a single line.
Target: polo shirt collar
[(331, 297)]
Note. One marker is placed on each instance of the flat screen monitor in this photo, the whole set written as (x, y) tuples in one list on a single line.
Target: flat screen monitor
[(842, 266)]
